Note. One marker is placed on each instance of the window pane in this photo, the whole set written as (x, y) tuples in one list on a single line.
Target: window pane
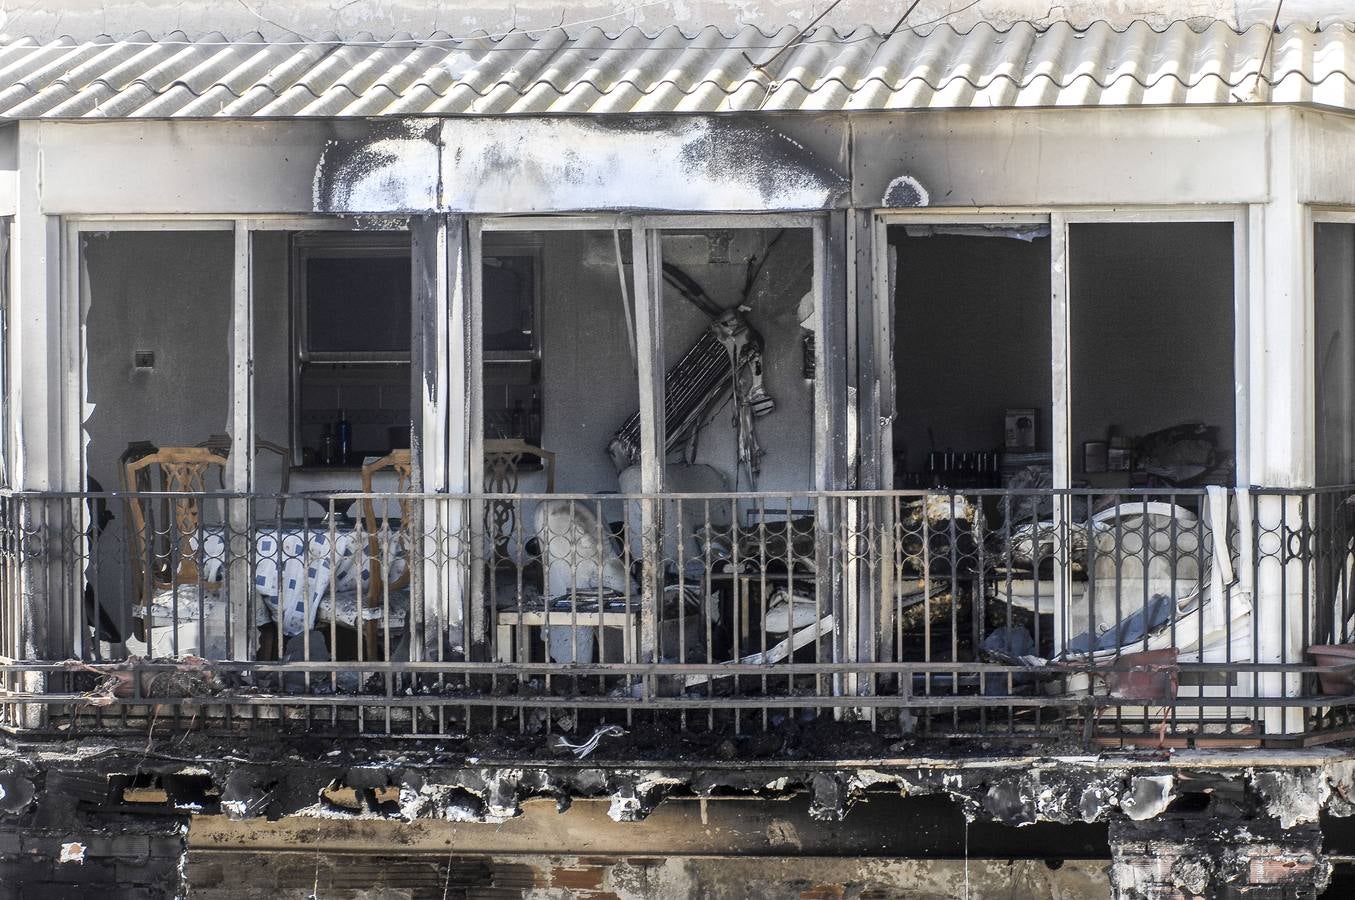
[(972, 356), (158, 375), (510, 303), (358, 304), (1334, 314), (354, 369), (1153, 393)]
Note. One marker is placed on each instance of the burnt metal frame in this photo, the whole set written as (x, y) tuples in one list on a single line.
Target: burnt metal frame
[(871, 272), (1060, 313), (647, 294), (1298, 547)]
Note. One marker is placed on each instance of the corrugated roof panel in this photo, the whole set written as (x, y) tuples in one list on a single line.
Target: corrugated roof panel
[(214, 96), (217, 70), (56, 97), (37, 69), (150, 74), (591, 71)]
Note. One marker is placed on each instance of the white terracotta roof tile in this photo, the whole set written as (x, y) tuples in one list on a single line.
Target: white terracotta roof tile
[(670, 71)]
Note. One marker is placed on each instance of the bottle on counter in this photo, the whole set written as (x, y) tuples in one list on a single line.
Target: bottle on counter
[(345, 438), (328, 448)]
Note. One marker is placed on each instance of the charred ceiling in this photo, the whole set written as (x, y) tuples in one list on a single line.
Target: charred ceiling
[(353, 782)]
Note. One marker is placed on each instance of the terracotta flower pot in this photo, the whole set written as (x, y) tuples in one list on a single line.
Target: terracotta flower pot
[(1335, 683)]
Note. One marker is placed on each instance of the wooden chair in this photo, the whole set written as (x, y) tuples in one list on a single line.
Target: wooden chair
[(503, 463), (221, 444), (163, 557), (402, 463)]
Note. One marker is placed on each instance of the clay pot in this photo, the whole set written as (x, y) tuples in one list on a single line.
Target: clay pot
[(1335, 683)]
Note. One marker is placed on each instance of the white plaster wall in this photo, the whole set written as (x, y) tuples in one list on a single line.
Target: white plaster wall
[(590, 385), (311, 18), (169, 292), (1048, 157)]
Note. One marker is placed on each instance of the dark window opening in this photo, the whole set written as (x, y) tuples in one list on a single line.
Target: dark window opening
[(511, 337), (352, 308), (972, 356), (1151, 332)]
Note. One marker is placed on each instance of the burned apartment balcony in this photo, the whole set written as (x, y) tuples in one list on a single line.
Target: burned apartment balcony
[(1195, 617)]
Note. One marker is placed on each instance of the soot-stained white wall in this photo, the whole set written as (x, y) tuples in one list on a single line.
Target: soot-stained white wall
[(170, 293), (1151, 310), (972, 340), (590, 384), (718, 261)]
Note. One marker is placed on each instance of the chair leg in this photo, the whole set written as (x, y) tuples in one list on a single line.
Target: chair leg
[(267, 644), (370, 646)]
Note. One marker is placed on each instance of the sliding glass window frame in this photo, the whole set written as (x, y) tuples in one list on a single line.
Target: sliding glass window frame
[(646, 286), (1059, 221), (1243, 340)]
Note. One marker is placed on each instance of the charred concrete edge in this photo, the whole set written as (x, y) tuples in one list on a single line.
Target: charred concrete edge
[(1291, 791)]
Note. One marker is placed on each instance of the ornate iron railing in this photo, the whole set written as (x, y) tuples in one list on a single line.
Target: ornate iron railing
[(1134, 616)]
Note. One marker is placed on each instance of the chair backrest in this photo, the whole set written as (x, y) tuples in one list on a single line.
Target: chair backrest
[(166, 548), (221, 443), (402, 462), (403, 465), (503, 462)]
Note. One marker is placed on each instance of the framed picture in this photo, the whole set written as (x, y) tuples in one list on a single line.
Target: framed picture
[(1020, 429), (1094, 456)]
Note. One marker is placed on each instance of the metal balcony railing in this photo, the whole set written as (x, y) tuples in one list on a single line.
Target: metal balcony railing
[(1126, 617)]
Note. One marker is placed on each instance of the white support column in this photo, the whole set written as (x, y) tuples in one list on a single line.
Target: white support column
[(242, 440), (35, 339), (832, 438), (35, 347), (432, 241), (872, 582), (1280, 391), (647, 275), (875, 286), (466, 349), (1061, 402)]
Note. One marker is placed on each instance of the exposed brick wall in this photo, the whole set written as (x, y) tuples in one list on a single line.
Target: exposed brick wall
[(1195, 858), (125, 858), (299, 875)]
